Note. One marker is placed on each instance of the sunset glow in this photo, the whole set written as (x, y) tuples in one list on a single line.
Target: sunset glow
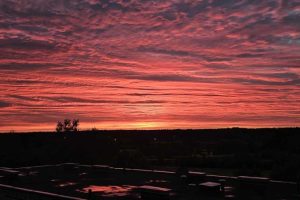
[(134, 64)]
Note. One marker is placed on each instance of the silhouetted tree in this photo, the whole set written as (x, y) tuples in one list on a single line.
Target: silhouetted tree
[(59, 127), (75, 124), (94, 129), (67, 125)]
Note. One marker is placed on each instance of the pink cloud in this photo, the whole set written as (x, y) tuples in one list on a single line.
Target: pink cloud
[(173, 64)]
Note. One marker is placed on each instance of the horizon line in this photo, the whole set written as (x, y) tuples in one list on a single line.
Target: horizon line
[(175, 129)]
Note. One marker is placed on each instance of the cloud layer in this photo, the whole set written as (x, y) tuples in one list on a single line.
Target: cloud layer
[(149, 63)]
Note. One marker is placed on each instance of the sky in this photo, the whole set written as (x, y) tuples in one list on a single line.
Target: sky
[(149, 64)]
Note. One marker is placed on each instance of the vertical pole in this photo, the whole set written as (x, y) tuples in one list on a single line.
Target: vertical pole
[(90, 194)]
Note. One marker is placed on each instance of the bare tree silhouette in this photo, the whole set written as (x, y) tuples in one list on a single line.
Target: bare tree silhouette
[(59, 127), (67, 125), (75, 124)]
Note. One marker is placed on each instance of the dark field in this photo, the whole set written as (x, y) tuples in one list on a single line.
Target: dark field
[(273, 153)]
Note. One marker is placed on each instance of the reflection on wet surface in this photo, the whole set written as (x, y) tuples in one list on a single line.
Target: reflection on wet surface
[(156, 181), (110, 190), (60, 183), (66, 184)]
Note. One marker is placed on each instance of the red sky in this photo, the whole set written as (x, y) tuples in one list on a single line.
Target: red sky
[(149, 64)]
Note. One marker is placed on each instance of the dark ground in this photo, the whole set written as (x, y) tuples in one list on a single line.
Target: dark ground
[(273, 153)]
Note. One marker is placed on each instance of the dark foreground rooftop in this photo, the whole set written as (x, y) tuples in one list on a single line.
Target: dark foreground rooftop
[(75, 182)]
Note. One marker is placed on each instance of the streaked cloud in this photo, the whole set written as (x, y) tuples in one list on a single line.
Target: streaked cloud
[(177, 63)]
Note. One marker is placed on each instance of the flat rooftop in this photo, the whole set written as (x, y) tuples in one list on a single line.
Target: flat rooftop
[(107, 182)]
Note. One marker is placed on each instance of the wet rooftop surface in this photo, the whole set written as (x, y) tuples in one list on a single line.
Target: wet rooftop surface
[(104, 182)]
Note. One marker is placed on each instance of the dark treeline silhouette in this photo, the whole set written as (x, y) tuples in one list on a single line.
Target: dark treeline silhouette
[(256, 152)]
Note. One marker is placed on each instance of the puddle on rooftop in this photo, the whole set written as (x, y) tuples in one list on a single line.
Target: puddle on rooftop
[(110, 190)]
